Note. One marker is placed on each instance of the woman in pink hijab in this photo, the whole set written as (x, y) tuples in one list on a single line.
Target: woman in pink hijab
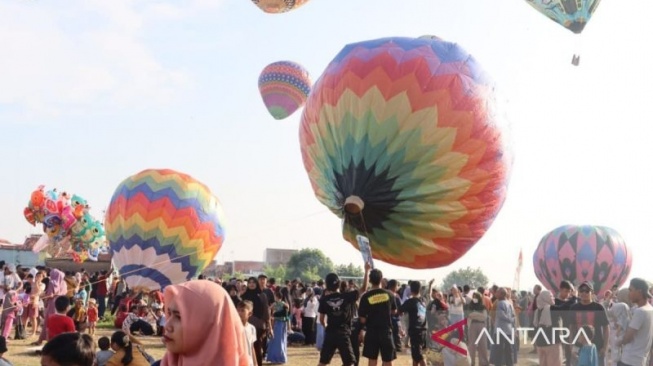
[(56, 287), (202, 327)]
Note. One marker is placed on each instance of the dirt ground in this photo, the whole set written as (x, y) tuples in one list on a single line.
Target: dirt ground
[(22, 354)]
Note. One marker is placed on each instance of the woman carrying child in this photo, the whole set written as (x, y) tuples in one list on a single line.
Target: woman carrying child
[(128, 351)]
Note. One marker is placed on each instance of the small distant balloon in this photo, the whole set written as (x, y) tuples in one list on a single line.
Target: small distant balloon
[(570, 14), (284, 87), (278, 6)]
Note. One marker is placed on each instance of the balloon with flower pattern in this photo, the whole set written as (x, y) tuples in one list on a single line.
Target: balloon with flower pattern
[(596, 254), (284, 87), (571, 14), (402, 139), (163, 227)]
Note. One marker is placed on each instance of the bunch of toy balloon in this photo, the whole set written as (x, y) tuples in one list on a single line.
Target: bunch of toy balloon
[(64, 218)]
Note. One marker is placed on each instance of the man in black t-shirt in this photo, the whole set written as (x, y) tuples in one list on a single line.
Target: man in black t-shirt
[(337, 308), (375, 311), (416, 311), (588, 312), (563, 302)]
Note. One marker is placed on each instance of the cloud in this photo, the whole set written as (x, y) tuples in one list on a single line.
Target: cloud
[(54, 61)]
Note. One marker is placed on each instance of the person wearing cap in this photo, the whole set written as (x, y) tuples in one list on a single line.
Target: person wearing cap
[(589, 312), (638, 338), (3, 350), (338, 307)]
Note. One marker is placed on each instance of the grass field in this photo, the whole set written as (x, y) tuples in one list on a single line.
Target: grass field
[(22, 354)]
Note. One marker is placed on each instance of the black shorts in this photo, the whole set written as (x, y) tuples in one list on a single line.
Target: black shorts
[(416, 346), (340, 341), (379, 341)]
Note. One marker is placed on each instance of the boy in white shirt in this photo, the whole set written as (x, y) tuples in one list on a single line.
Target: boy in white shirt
[(245, 309)]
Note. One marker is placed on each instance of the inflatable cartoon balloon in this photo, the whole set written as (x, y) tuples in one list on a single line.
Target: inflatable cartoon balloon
[(163, 228), (66, 224), (278, 6), (401, 138), (596, 254), (284, 87), (571, 14)]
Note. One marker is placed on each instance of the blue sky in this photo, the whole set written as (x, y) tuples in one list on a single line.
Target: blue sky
[(93, 91)]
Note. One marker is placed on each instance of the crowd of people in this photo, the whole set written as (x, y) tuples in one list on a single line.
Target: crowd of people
[(249, 322)]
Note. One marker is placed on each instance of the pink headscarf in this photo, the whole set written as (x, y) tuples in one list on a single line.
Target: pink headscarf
[(56, 287), (211, 327)]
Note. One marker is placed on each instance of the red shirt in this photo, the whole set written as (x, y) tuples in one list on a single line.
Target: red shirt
[(58, 324), (92, 314), (120, 318), (157, 296), (102, 286)]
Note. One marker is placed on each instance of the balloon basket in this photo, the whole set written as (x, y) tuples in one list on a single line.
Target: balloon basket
[(575, 60)]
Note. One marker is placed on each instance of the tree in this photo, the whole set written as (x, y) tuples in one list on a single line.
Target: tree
[(237, 275), (349, 270), (308, 265), (474, 277), (278, 273)]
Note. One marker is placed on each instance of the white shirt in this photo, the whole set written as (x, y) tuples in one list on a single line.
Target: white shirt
[(635, 352), (310, 310), (129, 320), (250, 338)]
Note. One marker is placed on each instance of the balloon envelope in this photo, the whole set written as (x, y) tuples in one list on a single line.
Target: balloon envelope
[(405, 129), (163, 227), (571, 14), (278, 6), (596, 254), (284, 87)]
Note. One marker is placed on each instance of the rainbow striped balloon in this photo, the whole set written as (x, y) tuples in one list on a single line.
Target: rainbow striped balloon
[(164, 228), (284, 87), (401, 138), (596, 254)]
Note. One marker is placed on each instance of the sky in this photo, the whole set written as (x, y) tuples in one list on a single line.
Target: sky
[(94, 91)]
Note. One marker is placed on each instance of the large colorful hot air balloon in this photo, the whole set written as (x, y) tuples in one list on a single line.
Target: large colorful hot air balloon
[(284, 87), (400, 137), (278, 6), (596, 254), (163, 227), (571, 14)]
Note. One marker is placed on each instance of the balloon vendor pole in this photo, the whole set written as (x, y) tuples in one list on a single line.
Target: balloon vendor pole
[(520, 261)]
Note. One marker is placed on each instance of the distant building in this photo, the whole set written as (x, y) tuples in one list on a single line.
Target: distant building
[(276, 257), (248, 267), (21, 254)]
